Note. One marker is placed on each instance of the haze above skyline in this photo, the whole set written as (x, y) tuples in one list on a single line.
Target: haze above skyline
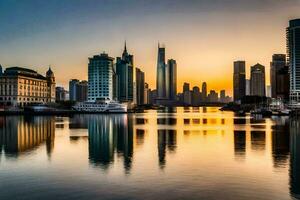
[(204, 37)]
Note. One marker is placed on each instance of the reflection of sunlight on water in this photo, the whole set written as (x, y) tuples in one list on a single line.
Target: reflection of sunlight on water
[(189, 152)]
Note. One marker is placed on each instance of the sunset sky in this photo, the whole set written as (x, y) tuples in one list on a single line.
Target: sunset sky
[(203, 36)]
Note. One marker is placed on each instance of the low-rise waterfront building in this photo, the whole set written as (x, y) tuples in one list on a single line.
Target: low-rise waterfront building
[(22, 86)]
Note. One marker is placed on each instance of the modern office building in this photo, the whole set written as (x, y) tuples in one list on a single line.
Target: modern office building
[(247, 87), (204, 91), (140, 86), (60, 93), (78, 90), (81, 91), (239, 80), (171, 80), (125, 77), (257, 80), (72, 89), (293, 59), (100, 77), (147, 94), (21, 86), (196, 96), (161, 73), (222, 96), (213, 96), (277, 66)]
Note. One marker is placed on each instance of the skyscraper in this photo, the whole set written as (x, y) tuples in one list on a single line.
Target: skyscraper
[(239, 80), (171, 80), (81, 91), (100, 78), (140, 86), (187, 95), (257, 80), (293, 53), (161, 73), (278, 63), (204, 91), (72, 89), (222, 96), (125, 77), (196, 96)]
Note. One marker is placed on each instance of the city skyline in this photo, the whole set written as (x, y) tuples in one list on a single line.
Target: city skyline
[(193, 36)]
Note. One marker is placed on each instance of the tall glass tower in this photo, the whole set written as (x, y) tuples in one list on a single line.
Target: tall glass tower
[(161, 73), (293, 59)]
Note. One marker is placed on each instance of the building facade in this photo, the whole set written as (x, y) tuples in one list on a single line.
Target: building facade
[(293, 59), (277, 66), (72, 89), (204, 91), (78, 90), (60, 94), (161, 73), (22, 86), (125, 77), (239, 80), (171, 80), (257, 80), (100, 78), (140, 86)]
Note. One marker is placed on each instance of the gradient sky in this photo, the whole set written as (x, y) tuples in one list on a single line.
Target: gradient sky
[(203, 36)]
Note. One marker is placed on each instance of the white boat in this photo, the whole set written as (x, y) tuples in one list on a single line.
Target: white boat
[(101, 106)]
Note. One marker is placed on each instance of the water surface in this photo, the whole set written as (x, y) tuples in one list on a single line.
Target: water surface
[(183, 153)]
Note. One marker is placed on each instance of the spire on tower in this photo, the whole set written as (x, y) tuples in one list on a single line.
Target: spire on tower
[(125, 47)]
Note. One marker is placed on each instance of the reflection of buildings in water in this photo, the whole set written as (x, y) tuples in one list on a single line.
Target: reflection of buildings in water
[(196, 121), (222, 121), (240, 144), (280, 144), (109, 134), (258, 140), (20, 134), (295, 158), (166, 138), (257, 120), (204, 121), (186, 121), (166, 121), (78, 122), (141, 121), (239, 120), (140, 136)]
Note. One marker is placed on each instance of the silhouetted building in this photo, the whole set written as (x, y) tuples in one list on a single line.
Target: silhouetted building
[(125, 77), (81, 91), (239, 80), (171, 80), (146, 94), (293, 59), (161, 73), (204, 91), (140, 86), (222, 96), (100, 75), (257, 80), (60, 94), (72, 89), (21, 86), (196, 96), (247, 87), (213, 96), (278, 63), (187, 95)]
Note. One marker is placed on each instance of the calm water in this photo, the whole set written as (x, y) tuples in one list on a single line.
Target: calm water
[(176, 154)]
